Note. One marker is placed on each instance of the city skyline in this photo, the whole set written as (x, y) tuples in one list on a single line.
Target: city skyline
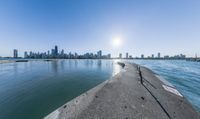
[(143, 27), (62, 54)]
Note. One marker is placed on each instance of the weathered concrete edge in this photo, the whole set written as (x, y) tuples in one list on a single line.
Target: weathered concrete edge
[(74, 107)]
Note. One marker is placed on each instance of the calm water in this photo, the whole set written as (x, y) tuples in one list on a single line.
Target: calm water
[(31, 90), (184, 75)]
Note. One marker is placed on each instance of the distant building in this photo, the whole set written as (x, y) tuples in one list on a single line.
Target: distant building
[(70, 55), (25, 54), (48, 53), (15, 53), (62, 52), (127, 55), (120, 55), (158, 55), (109, 56), (182, 56), (99, 54), (142, 56), (166, 57), (56, 50), (52, 52), (152, 56), (31, 54), (76, 55)]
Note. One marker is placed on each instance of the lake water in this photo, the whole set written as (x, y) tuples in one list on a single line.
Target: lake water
[(184, 75), (31, 90)]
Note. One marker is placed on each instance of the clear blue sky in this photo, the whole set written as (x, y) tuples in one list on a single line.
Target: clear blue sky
[(144, 26)]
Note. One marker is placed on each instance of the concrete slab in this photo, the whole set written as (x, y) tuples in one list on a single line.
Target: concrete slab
[(124, 97)]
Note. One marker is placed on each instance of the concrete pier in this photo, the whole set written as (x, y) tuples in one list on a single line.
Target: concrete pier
[(134, 93)]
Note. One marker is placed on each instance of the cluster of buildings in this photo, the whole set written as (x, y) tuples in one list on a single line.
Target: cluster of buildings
[(55, 53), (180, 56), (126, 57)]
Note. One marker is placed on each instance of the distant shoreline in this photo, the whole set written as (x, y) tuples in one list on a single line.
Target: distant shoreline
[(26, 60)]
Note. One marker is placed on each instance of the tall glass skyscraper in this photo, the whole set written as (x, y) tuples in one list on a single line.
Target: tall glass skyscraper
[(56, 50), (15, 53)]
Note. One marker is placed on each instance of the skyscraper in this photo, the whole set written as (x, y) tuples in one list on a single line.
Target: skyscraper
[(152, 56), (158, 55), (142, 56), (25, 54), (120, 55), (99, 54), (48, 53), (109, 56), (56, 50), (15, 53), (62, 52), (76, 55), (127, 55), (52, 52)]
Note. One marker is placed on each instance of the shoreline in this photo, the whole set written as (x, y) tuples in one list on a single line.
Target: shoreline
[(2, 61), (126, 90)]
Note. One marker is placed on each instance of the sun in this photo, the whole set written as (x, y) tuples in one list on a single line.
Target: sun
[(116, 42)]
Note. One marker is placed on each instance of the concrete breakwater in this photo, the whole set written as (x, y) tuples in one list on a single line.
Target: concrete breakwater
[(136, 92)]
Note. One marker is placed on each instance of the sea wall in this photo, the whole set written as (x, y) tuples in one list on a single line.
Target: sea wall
[(135, 92)]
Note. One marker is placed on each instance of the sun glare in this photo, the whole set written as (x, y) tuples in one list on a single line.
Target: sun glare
[(116, 42)]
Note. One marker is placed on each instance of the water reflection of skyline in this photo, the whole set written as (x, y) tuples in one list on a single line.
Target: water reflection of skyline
[(60, 79), (58, 66)]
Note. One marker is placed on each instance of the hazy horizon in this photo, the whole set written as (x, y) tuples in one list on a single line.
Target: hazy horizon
[(143, 27)]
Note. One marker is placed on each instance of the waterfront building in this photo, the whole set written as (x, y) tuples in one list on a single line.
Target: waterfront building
[(99, 54), (48, 53), (158, 55), (152, 56), (76, 55), (109, 56), (62, 54), (120, 55), (30, 54), (52, 52), (25, 54), (127, 55), (56, 50), (15, 53), (142, 56), (166, 56), (182, 56)]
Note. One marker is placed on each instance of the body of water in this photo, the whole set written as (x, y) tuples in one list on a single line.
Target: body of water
[(31, 90), (184, 75)]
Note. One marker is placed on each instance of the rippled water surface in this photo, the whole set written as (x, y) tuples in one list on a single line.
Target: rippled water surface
[(184, 75), (31, 90)]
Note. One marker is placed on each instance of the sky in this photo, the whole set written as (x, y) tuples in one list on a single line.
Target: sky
[(143, 26)]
